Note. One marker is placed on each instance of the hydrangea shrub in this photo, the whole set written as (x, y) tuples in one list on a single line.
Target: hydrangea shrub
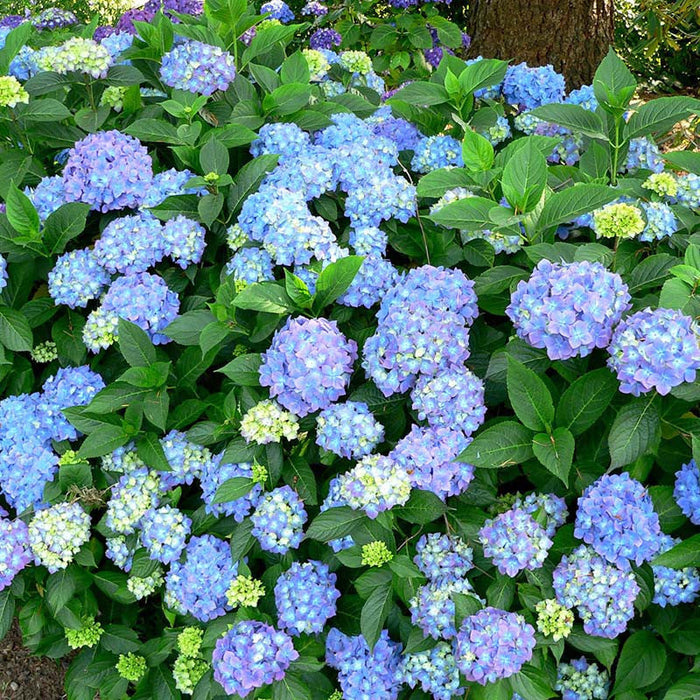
[(334, 365)]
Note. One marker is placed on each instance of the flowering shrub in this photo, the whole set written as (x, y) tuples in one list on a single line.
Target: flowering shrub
[(321, 379)]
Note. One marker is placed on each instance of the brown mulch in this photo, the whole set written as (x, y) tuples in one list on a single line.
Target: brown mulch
[(27, 677)]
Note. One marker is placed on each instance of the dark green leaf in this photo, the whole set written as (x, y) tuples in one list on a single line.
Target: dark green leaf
[(529, 397), (641, 662), (334, 523), (502, 445), (555, 452), (15, 333), (243, 370), (135, 345), (233, 489), (334, 280), (585, 400), (636, 429), (374, 613), (685, 553), (421, 508)]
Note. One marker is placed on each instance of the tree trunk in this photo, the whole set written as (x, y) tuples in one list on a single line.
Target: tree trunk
[(572, 35)]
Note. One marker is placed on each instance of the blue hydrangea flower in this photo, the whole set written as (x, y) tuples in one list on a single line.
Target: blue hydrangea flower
[(57, 533), (429, 457), (515, 541), (404, 134), (313, 7), (77, 278), (187, 460), (435, 671), (309, 173), (130, 244), (687, 491), (654, 349), (24, 472), (363, 673), (616, 517), (308, 365), (214, 474), (250, 265), (602, 593), (278, 10), (47, 196), (547, 509), (335, 500), (688, 190), (183, 241), (528, 87), (15, 552), (381, 197), (373, 280), (434, 152), (284, 139), (164, 531), (348, 430), (116, 43), (443, 557), (278, 520), (644, 154), (305, 596), (197, 67), (54, 18), (3, 273), (579, 680), (108, 170), (324, 38), (251, 654), (133, 495), (674, 586), (198, 585), (119, 552), (167, 184), (368, 240), (661, 221), (493, 644), (569, 309)]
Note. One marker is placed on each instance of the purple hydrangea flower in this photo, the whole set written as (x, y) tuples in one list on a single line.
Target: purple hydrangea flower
[(130, 244), (435, 671), (325, 38), (674, 586), (198, 67), (15, 553), (183, 241), (348, 430), (687, 491), (278, 520), (77, 278), (47, 196)]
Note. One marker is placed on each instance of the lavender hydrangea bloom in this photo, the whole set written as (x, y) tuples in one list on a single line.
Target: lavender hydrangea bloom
[(435, 671), (493, 644), (674, 586), (77, 278), (548, 510), (643, 154), (198, 585), (313, 7), (108, 170), (168, 183), (187, 460), (278, 10), (3, 273), (363, 673), (373, 280), (348, 430), (616, 517), (434, 152), (569, 309), (250, 265), (603, 593), (198, 67), (308, 365), (429, 457), (325, 38), (278, 520), (164, 531), (443, 557), (47, 196), (15, 553), (130, 244), (433, 608), (686, 491), (251, 654), (528, 87), (305, 596)]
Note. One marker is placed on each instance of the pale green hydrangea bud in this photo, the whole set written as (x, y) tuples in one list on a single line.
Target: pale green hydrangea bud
[(235, 237), (618, 220), (188, 672), (113, 97), (189, 641), (143, 587), (131, 666), (12, 92), (239, 350), (245, 591), (356, 62), (69, 457), (259, 473), (664, 184), (336, 695), (44, 352), (554, 620), (268, 422), (82, 55), (317, 62), (87, 636), (100, 330), (376, 554)]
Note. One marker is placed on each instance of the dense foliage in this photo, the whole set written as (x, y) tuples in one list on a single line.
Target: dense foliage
[(330, 374)]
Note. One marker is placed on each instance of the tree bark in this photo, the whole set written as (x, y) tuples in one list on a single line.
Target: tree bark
[(572, 35)]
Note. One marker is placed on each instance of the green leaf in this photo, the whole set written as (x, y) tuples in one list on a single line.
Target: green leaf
[(501, 592), (7, 612), (334, 523), (585, 400), (641, 662), (15, 332), (422, 93), (650, 272), (687, 688), (573, 117), (374, 613), (335, 280), (214, 157), (555, 452), (64, 224), (684, 160), (437, 182), (135, 345), (605, 650), (150, 450), (482, 74), (244, 370), (233, 489), (14, 41), (498, 279), (21, 212), (532, 683), (264, 296), (187, 328), (524, 178), (287, 99), (670, 515), (291, 687), (156, 405), (226, 11), (421, 508), (102, 441), (565, 206), (529, 397), (79, 474), (295, 69), (266, 38), (659, 115), (46, 110), (154, 131), (469, 214), (301, 478), (501, 445), (60, 588), (116, 396), (613, 83), (685, 553), (477, 152), (636, 428)]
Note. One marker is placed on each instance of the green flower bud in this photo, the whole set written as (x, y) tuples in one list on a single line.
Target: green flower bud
[(131, 666), (376, 554), (664, 184), (553, 619), (618, 220), (187, 673), (12, 92), (189, 641), (87, 636), (244, 591), (45, 352)]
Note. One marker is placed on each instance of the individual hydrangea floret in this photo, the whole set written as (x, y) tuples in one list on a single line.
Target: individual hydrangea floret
[(674, 586), (198, 585), (443, 557), (433, 608), (376, 554), (108, 170), (553, 619), (15, 552), (198, 67), (214, 474), (245, 591), (251, 654), (57, 533), (655, 349), (132, 496), (375, 484), (305, 597), (579, 680), (308, 365), (529, 87), (435, 152), (278, 520), (686, 491), (131, 666), (569, 309), (268, 422), (616, 517), (514, 541), (602, 593), (618, 220), (88, 635), (363, 673), (348, 430), (164, 531), (493, 644), (435, 671)]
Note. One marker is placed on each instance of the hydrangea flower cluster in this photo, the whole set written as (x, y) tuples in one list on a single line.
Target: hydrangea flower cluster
[(569, 309), (661, 221), (547, 509), (580, 680), (527, 87), (348, 429), (305, 596), (197, 67), (214, 474), (618, 220), (82, 55), (267, 422), (674, 586), (86, 636), (616, 517), (251, 654), (77, 278), (15, 552), (654, 349), (686, 491), (278, 10), (12, 92), (57, 533), (164, 531), (278, 520), (553, 619), (434, 152), (435, 671), (308, 365), (187, 460), (443, 557), (132, 497), (493, 644), (433, 608), (602, 593), (643, 154)]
